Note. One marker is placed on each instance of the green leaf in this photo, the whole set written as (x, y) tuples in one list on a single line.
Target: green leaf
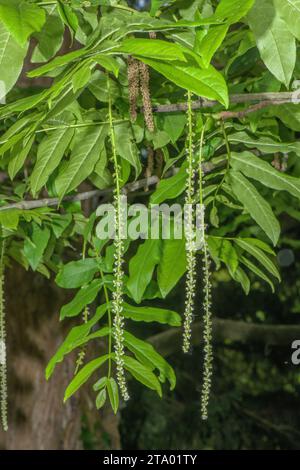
[(275, 42), (232, 10), (11, 60), (21, 18), (101, 399), (222, 249), (152, 314), (207, 82), (10, 218), (101, 383), (258, 272), (141, 267), (157, 4), (172, 265), (19, 154), (77, 273), (83, 375), (152, 48), (258, 208), (113, 393), (289, 114), (289, 10), (35, 246), (50, 152), (109, 63), (214, 217), (57, 62), (143, 374), (260, 244), (259, 255), (59, 223), (126, 147), (211, 42), (241, 277), (173, 125), (264, 144), (84, 296), (81, 77), (170, 188), (68, 16), (98, 87), (87, 148), (254, 167), (102, 181), (76, 337), (160, 139), (49, 39), (146, 354)]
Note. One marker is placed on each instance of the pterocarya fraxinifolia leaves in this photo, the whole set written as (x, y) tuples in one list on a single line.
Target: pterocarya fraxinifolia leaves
[(134, 105)]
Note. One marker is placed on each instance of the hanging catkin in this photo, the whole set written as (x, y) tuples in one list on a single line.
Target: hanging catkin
[(3, 365), (190, 288), (118, 282), (207, 287), (133, 86), (145, 91)]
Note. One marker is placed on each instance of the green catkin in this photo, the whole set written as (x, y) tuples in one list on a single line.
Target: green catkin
[(189, 233), (3, 365), (117, 300), (207, 287), (82, 352)]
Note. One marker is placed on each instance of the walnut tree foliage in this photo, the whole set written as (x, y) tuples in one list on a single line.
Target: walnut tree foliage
[(93, 128)]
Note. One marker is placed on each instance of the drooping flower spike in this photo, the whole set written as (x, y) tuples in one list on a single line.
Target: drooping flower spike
[(190, 288), (117, 300), (3, 364)]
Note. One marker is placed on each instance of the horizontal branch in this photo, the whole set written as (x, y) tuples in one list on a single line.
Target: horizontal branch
[(170, 341), (267, 98), (251, 109), (84, 196), (264, 99)]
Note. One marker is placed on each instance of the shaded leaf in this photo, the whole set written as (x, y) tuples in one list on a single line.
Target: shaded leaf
[(258, 208)]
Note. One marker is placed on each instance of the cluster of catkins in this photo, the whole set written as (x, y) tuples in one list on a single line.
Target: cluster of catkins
[(138, 81), (191, 250)]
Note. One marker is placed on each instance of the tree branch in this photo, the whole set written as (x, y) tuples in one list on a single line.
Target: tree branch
[(252, 109), (84, 196), (266, 98), (55, 201), (170, 341)]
